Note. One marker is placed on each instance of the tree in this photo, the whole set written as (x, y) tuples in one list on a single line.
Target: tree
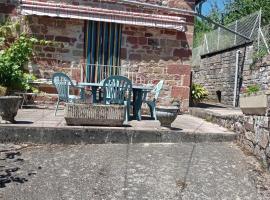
[(202, 26), (237, 9), (234, 10)]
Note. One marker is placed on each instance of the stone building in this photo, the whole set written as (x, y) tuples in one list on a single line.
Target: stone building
[(146, 37)]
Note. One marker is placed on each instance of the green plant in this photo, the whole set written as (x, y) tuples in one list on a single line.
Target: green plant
[(16, 52), (12, 60), (3, 90), (198, 93), (251, 89), (258, 56), (8, 29)]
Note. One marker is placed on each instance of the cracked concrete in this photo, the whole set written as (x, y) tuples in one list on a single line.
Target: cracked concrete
[(138, 171)]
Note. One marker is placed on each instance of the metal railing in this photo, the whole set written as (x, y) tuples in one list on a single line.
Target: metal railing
[(95, 73)]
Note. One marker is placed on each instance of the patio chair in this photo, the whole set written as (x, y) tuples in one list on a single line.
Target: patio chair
[(63, 83), (117, 90), (152, 103)]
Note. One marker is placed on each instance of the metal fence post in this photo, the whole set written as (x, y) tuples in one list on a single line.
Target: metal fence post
[(235, 29), (218, 38)]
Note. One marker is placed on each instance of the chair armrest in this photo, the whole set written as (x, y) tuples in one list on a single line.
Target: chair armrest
[(77, 86)]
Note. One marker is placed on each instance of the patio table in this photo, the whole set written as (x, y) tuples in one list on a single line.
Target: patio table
[(139, 91)]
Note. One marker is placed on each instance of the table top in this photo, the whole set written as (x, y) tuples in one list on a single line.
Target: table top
[(141, 87)]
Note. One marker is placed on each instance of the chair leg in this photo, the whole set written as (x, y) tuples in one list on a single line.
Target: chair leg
[(151, 110), (154, 113), (127, 112), (152, 107), (56, 107)]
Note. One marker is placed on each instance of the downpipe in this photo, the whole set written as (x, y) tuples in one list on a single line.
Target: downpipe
[(238, 52)]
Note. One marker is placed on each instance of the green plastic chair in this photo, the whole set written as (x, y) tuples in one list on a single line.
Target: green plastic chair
[(63, 83), (152, 103), (117, 90)]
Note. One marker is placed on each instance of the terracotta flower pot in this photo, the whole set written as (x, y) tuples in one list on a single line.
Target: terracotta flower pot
[(9, 106)]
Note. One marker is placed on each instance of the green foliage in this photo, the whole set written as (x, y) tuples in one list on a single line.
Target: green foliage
[(252, 89), (198, 93), (234, 10), (201, 26), (12, 61), (8, 29), (17, 49), (257, 57), (239, 8)]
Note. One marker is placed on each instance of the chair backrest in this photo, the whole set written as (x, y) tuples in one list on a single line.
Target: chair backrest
[(157, 89), (117, 90), (62, 82)]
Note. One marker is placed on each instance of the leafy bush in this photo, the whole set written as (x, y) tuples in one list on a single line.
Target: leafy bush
[(12, 60), (16, 49), (251, 89), (198, 93)]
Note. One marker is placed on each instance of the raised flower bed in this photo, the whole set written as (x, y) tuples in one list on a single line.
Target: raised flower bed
[(94, 114)]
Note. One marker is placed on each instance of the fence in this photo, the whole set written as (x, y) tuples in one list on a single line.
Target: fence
[(222, 39)]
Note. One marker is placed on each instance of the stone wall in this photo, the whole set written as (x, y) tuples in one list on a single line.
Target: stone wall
[(160, 54), (253, 131), (256, 74), (217, 73), (66, 49)]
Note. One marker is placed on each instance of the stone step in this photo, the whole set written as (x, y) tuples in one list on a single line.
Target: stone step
[(103, 135)]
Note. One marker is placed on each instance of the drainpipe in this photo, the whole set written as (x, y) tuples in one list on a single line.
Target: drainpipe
[(238, 52)]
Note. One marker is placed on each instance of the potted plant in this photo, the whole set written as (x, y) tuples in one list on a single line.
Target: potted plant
[(167, 114), (13, 77), (254, 102), (198, 93), (9, 106)]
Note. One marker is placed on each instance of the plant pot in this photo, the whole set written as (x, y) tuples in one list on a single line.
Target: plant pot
[(167, 114), (9, 106), (255, 104), (94, 114)]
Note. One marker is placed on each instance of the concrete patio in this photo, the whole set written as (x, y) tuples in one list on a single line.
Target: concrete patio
[(41, 126), (131, 171)]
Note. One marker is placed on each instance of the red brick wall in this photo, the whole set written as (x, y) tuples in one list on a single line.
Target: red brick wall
[(159, 54), (67, 48)]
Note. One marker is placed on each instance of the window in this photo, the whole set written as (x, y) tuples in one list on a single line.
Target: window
[(103, 47)]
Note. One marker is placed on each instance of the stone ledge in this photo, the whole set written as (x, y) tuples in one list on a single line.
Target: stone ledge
[(252, 131), (103, 135)]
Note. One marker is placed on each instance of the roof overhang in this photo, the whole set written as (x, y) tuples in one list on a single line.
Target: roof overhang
[(61, 10)]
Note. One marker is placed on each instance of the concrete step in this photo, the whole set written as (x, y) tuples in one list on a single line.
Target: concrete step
[(186, 128)]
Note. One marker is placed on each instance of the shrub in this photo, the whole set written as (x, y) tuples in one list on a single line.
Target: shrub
[(198, 93), (12, 60), (15, 51), (251, 89)]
